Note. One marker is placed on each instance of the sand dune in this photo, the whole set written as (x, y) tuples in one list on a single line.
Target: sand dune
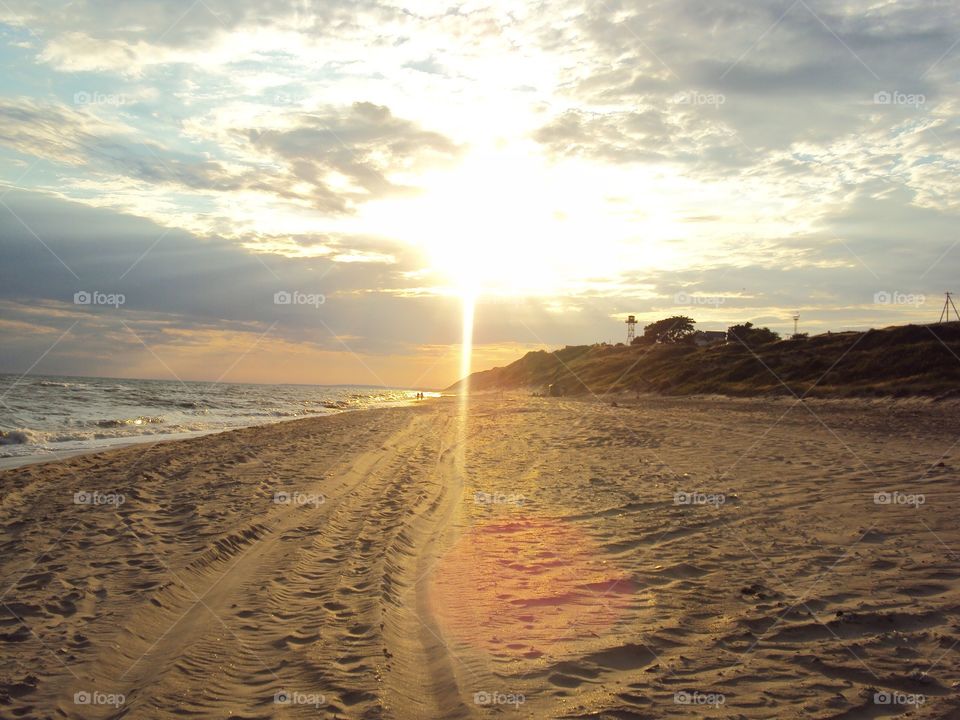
[(539, 558)]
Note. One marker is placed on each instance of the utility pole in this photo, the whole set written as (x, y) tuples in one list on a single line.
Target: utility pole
[(947, 306)]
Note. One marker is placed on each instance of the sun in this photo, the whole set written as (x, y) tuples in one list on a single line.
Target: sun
[(489, 229), (503, 222), (509, 220)]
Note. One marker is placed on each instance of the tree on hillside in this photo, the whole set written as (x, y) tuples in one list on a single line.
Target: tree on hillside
[(751, 336), (674, 329)]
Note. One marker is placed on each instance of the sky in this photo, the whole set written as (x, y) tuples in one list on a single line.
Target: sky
[(309, 192)]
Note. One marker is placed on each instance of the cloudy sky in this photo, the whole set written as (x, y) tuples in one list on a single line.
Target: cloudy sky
[(178, 165)]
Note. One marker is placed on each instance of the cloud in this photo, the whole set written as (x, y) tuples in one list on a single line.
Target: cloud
[(130, 36), (647, 135), (365, 144), (76, 136), (330, 160), (785, 72), (173, 274)]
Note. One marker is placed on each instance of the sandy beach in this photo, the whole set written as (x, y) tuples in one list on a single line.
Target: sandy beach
[(532, 557)]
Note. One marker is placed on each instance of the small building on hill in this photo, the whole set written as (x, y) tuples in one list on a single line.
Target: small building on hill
[(702, 338)]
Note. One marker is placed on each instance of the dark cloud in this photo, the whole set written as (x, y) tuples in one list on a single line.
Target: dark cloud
[(787, 72), (197, 282)]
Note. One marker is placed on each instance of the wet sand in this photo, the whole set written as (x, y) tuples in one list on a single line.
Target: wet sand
[(543, 558)]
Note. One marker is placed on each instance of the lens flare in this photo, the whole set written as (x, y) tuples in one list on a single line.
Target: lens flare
[(469, 303), (520, 586)]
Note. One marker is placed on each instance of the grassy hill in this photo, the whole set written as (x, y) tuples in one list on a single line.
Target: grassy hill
[(895, 361)]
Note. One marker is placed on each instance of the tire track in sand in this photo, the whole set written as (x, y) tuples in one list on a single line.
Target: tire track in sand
[(306, 600)]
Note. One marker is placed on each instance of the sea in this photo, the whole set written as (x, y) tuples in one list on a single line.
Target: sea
[(46, 417)]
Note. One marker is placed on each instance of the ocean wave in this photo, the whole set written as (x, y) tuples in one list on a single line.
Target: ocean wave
[(160, 401), (120, 422), (35, 437), (17, 437), (138, 430), (38, 438), (46, 414), (68, 437)]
